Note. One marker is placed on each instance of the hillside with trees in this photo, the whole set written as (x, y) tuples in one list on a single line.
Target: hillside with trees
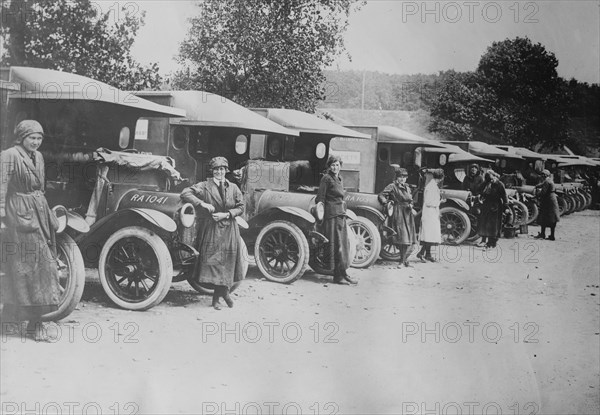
[(514, 96)]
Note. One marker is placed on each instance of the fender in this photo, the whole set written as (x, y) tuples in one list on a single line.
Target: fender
[(91, 243), (77, 222), (371, 211), (459, 202), (156, 218), (350, 214), (263, 217)]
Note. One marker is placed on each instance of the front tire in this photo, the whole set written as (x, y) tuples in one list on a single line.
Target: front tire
[(281, 252), (520, 213), (71, 278), (369, 242), (534, 211), (135, 268), (455, 225)]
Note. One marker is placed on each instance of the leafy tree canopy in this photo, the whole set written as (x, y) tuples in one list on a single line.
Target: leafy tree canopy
[(77, 37), (515, 96), (263, 52)]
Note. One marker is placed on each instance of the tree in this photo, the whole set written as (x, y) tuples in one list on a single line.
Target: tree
[(263, 52), (75, 36), (515, 96)]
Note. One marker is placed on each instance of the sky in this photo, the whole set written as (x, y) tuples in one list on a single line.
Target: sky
[(409, 37)]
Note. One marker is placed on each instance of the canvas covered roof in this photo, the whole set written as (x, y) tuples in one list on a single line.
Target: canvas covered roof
[(208, 109), (304, 122), (47, 84)]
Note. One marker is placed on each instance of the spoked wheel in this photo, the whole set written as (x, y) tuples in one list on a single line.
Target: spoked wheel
[(570, 203), (208, 289), (581, 202), (389, 250), (369, 242), (520, 213), (318, 255), (533, 209), (455, 225), (281, 252), (473, 235), (135, 268), (71, 278), (588, 199)]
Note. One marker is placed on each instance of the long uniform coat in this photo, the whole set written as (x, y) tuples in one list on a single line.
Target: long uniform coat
[(430, 215), (221, 260), (549, 212), (494, 203), (30, 286), (402, 220), (331, 193)]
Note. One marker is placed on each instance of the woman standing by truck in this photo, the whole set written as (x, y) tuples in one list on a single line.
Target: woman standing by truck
[(494, 204), (221, 261), (431, 234), (30, 287), (331, 194), (549, 213), (403, 221)]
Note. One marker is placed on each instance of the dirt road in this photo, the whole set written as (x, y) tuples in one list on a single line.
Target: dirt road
[(511, 331)]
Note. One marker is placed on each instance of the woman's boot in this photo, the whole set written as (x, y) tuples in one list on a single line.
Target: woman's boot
[(215, 299), (226, 296)]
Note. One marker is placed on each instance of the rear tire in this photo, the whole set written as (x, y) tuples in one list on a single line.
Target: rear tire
[(71, 279)]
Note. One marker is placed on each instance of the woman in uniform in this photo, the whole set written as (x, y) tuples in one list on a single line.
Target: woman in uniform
[(402, 220), (30, 286), (430, 233), (549, 213), (331, 194), (494, 204), (221, 262)]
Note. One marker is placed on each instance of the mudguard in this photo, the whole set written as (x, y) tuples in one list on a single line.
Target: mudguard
[(77, 222), (370, 210), (459, 202), (91, 243), (350, 214), (294, 211), (157, 218)]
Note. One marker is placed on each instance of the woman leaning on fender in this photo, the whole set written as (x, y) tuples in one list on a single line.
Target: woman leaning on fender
[(331, 194), (221, 262), (30, 288), (402, 220)]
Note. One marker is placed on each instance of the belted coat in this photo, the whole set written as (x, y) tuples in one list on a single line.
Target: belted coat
[(221, 260), (549, 212), (29, 286), (402, 220)]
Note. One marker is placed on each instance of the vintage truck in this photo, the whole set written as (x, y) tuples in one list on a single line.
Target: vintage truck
[(283, 224), (136, 230)]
